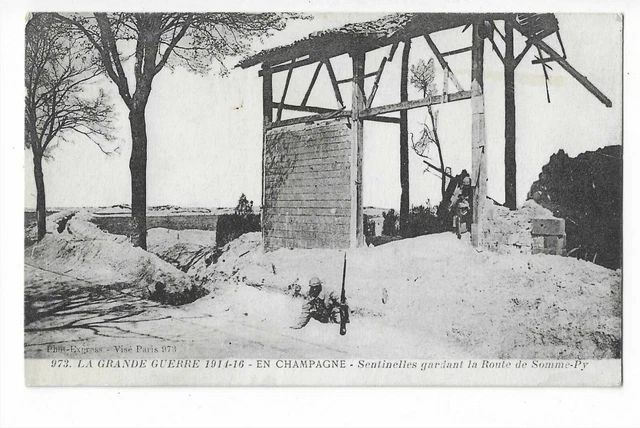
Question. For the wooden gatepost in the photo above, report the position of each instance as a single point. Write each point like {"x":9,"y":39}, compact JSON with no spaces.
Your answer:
{"x":479,"y":178}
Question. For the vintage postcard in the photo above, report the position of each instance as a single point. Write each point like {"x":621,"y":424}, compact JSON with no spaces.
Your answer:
{"x":358,"y":199}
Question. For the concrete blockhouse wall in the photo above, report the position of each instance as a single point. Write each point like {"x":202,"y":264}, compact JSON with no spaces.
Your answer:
{"x":307,"y":193}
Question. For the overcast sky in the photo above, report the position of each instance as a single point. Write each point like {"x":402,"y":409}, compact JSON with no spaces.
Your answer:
{"x":205,"y":132}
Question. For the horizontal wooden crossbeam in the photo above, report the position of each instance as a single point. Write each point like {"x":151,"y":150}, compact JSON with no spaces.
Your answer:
{"x":372,"y":114}
{"x":310,"y":109}
{"x":288,"y":66}
{"x":384,"y":119}
{"x":310,"y":119}
{"x":545,"y":60}
{"x":408,"y":105}
{"x":350,"y":79}
{"x":456,"y":51}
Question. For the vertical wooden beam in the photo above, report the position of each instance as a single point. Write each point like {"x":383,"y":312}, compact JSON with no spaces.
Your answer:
{"x":478,"y":134}
{"x":267,"y":119}
{"x":509,"y":119}
{"x":404,"y":140}
{"x":357,"y":123}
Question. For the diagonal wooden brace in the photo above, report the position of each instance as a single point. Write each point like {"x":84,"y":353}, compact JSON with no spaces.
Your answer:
{"x":443,"y":62}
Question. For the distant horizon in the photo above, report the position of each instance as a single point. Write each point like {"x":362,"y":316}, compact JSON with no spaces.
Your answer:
{"x":28,"y":208}
{"x":172,"y":205}
{"x":255,"y":209}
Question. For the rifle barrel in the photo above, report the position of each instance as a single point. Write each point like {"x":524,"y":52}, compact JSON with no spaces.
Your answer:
{"x":344,"y":277}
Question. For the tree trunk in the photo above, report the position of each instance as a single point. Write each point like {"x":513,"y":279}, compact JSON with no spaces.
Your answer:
{"x":138,"y":168}
{"x":510,"y":177}
{"x":443,"y":183}
{"x":41,"y":206}
{"x":404,"y":142}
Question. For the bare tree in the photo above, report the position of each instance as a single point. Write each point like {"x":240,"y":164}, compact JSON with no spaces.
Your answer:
{"x":156,"y":40}
{"x":58,"y":102}
{"x":422,"y":77}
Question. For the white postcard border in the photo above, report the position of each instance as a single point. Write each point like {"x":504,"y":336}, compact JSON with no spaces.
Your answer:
{"x":320,"y":372}
{"x":22,"y":406}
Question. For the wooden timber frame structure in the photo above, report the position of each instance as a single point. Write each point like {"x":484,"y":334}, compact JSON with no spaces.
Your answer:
{"x":359,"y":38}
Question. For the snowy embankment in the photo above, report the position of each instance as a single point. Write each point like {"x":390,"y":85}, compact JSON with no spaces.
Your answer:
{"x":181,"y":248}
{"x":76,"y":247}
{"x":440,"y":290}
{"x":433,"y":295}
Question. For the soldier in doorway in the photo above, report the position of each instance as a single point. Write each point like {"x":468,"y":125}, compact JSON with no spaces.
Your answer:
{"x":461,"y":206}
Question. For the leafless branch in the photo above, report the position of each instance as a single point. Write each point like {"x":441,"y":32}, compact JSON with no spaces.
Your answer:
{"x":57,"y":72}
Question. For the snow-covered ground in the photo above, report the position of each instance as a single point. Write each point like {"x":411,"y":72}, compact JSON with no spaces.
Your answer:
{"x":75,"y":246}
{"x":428,"y":297}
{"x":181,"y":248}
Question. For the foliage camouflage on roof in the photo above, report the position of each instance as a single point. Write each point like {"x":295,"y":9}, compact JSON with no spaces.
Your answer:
{"x":361,"y":36}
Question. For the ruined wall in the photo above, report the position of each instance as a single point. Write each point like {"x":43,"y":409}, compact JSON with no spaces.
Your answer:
{"x":548,"y":236}
{"x":307,"y":194}
{"x":528,"y":230}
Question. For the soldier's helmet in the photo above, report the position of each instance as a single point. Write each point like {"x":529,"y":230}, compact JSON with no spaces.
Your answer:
{"x":315,"y":287}
{"x":315,"y":282}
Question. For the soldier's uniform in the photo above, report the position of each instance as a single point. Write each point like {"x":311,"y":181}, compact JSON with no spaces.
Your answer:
{"x":320,"y":305}
{"x":461,"y":204}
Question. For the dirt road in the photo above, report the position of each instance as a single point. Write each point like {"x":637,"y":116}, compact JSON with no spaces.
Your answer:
{"x":67,"y":316}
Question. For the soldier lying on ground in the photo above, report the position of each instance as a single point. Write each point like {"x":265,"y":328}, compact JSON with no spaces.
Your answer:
{"x":320,"y":305}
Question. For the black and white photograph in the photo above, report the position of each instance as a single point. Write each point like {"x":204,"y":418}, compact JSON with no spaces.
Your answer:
{"x":318,"y":213}
{"x":304,"y":198}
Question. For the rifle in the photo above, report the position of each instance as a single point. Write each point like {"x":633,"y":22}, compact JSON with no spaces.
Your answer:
{"x":344,"y":309}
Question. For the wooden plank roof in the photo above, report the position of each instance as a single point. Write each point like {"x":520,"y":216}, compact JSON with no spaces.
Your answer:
{"x":364,"y":36}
